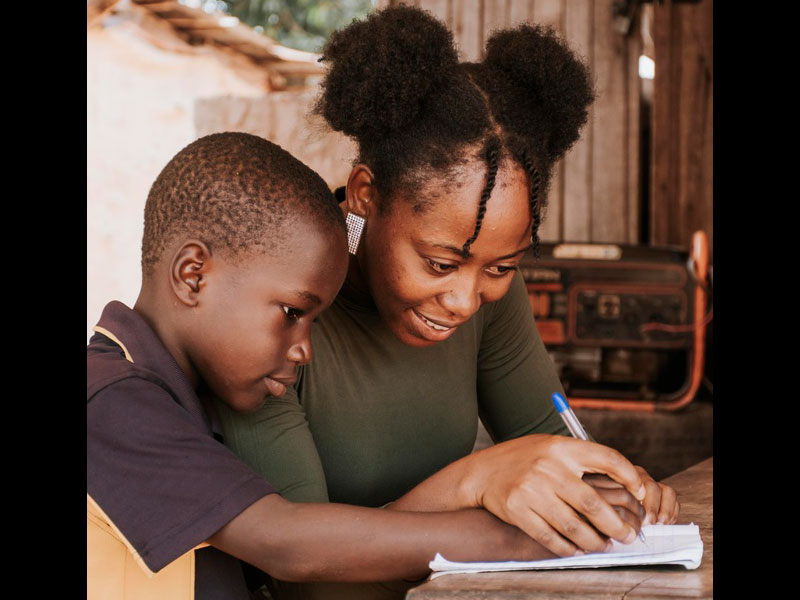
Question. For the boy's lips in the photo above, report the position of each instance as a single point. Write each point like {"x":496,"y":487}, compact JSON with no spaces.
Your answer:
{"x":276,"y":386}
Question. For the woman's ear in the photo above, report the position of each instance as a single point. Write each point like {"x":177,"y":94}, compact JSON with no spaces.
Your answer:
{"x":361,"y":195}
{"x":189,"y":270}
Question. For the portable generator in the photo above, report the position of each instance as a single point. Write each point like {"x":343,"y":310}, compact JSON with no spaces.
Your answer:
{"x":625,"y":325}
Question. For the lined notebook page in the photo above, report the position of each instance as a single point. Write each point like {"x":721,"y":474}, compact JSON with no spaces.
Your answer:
{"x":663,"y":545}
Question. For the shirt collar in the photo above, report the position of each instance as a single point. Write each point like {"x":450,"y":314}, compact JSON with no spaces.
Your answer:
{"x":144,"y":348}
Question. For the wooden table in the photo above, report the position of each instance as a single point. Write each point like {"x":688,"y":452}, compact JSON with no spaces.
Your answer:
{"x":695,"y":494}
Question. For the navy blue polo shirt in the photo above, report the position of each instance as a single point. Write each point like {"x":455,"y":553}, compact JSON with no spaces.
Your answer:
{"x":154,"y":466}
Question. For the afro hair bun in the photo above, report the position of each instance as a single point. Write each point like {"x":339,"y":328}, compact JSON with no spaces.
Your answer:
{"x":382,"y":68}
{"x":542,"y":90}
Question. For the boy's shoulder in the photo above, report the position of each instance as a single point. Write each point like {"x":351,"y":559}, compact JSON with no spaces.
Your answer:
{"x":125,"y":355}
{"x":151,"y":452}
{"x":107,"y":365}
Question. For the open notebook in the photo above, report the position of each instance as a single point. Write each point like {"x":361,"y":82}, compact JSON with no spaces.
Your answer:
{"x":663,"y":545}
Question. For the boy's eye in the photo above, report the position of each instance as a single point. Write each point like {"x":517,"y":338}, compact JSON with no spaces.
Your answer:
{"x":499,"y":270}
{"x":440,"y":267}
{"x":292,"y":313}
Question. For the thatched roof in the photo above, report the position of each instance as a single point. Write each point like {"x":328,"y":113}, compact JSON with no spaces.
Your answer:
{"x":196,"y":26}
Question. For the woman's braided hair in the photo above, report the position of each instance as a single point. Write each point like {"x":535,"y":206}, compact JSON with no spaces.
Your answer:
{"x":395,"y":85}
{"x":491,"y":159}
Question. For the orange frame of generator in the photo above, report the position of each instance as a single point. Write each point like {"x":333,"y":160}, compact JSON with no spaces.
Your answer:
{"x":699,"y":260}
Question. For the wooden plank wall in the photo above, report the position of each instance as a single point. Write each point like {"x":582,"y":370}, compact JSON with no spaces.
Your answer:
{"x":682,"y":174}
{"x":595,"y":193}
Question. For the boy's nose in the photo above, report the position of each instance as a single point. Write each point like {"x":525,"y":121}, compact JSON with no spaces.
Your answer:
{"x":300,"y":353}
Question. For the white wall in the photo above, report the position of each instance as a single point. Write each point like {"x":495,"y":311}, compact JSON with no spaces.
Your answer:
{"x":142,"y":83}
{"x":148,"y":95}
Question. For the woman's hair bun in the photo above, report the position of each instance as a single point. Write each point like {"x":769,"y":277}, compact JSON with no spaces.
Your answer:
{"x":542,"y":89}
{"x":382,"y":68}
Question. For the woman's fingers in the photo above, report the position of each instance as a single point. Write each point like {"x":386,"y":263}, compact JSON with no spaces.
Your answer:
{"x":652,"y":498}
{"x":568,"y":494}
{"x":660,"y":502}
{"x":541,"y":531}
{"x":578,"y":531}
{"x":596,"y":509}
{"x":590,"y":457}
{"x":556,"y":522}
{"x":632,"y":519}
{"x":622,"y":498}
{"x":670,"y":508}
{"x":562,"y":530}
{"x":599,"y":481}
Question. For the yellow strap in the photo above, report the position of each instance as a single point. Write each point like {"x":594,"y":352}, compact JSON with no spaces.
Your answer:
{"x":111,"y":336}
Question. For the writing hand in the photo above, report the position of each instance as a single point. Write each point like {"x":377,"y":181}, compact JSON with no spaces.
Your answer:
{"x":535,"y":483}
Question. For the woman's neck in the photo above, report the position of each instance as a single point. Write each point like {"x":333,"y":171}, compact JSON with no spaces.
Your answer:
{"x":355,"y":277}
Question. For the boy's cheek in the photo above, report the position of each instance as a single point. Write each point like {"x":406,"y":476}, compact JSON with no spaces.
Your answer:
{"x":245,"y":401}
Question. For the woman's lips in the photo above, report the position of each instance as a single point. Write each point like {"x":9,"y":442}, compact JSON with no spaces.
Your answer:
{"x":431,"y":330}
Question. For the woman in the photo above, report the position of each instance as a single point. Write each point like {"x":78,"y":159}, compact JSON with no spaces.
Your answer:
{"x":433,"y":328}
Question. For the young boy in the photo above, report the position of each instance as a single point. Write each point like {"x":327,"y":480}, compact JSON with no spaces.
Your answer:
{"x":243,"y":248}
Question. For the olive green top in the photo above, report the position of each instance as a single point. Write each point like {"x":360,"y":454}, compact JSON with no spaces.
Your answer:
{"x":374,"y":417}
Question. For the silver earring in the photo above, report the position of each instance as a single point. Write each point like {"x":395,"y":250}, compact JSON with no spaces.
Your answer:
{"x":355,"y":225}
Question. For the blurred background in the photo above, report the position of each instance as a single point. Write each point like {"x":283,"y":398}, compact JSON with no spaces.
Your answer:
{"x":161,"y":73}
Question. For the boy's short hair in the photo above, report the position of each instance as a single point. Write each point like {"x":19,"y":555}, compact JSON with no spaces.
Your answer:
{"x":234,"y":192}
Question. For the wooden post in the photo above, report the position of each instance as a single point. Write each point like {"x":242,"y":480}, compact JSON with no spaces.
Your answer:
{"x":579,"y":29}
{"x":682,"y":126}
{"x":551,"y":12}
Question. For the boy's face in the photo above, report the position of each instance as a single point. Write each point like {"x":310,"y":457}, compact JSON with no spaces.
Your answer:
{"x":253,"y":319}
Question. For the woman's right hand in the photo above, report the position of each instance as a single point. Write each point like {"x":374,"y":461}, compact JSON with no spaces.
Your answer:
{"x":536,"y":483}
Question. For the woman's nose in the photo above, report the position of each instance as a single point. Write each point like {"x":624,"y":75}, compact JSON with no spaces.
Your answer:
{"x":463,"y":299}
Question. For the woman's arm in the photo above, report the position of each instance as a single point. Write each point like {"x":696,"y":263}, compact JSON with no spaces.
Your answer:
{"x":516,"y":376}
{"x":304,"y":540}
{"x":276,"y":443}
{"x":536,"y":481}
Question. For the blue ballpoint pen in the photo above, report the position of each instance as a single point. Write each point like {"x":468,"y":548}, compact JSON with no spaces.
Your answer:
{"x":574,"y":426}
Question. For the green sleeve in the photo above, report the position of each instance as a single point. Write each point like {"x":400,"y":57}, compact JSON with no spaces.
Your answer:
{"x":516,"y":376}
{"x":276,"y":442}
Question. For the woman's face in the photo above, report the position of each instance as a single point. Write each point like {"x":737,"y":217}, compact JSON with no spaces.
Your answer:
{"x":422,"y":286}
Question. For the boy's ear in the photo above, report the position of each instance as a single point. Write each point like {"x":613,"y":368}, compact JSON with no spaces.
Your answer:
{"x":361,"y":195}
{"x":188,"y":271}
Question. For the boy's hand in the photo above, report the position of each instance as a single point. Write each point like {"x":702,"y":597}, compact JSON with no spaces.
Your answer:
{"x":660,"y":504}
{"x":621,"y":500}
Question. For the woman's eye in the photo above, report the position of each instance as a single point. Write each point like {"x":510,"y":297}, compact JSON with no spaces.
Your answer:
{"x":440,"y":267}
{"x":292,"y":313}
{"x":499,"y":270}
